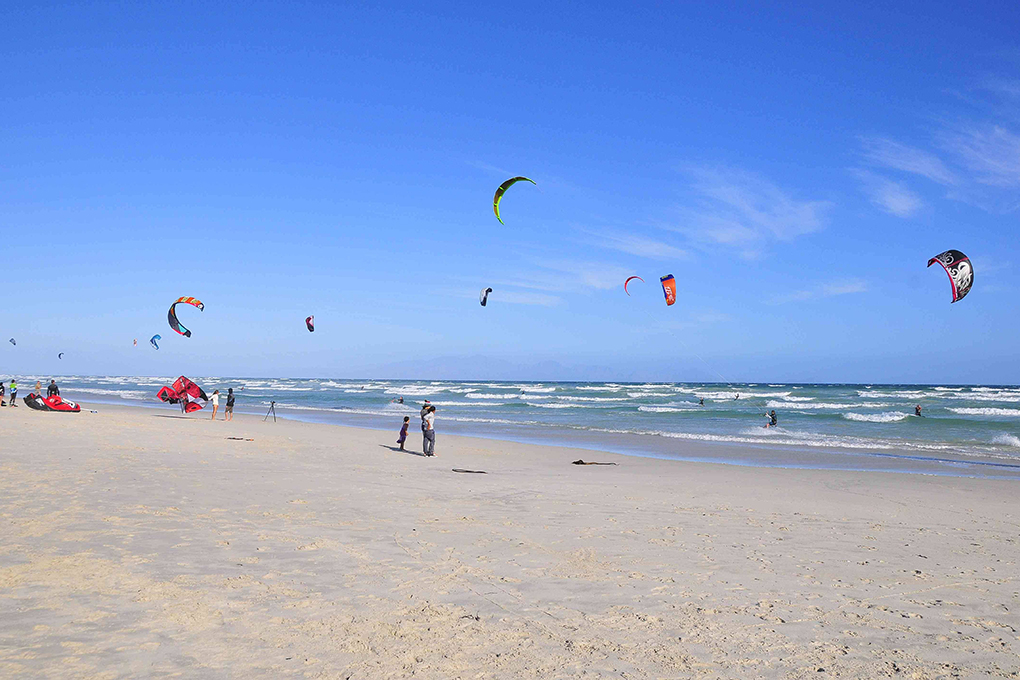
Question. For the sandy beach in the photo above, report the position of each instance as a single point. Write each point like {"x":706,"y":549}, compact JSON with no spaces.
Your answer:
{"x":142,"y":543}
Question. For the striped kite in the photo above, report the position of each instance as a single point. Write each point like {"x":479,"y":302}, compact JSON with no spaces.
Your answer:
{"x":171,"y":316}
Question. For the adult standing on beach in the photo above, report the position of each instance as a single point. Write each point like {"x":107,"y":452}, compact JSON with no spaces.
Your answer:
{"x":2,"y":402}
{"x":424,"y":412}
{"x":52,"y":390}
{"x":228,"y":412}
{"x":429,"y":433}
{"x":14,"y":392}
{"x":215,"y":403}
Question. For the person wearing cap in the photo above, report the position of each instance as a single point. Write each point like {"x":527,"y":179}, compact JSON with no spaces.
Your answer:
{"x":429,"y":432}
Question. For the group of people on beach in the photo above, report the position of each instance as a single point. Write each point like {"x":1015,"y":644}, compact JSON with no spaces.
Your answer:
{"x":428,"y":429}
{"x":51,"y":390}
{"x":228,"y":410}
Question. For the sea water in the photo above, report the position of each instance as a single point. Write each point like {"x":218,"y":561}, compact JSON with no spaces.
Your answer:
{"x":965,"y":430}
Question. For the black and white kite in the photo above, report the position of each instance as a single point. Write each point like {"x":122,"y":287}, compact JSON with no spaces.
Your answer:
{"x":960,"y":270}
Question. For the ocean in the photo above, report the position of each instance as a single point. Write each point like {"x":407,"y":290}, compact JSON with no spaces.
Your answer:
{"x":965,"y":430}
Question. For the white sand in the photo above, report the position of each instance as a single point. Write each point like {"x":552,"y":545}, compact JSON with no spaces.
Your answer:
{"x":135,"y":545}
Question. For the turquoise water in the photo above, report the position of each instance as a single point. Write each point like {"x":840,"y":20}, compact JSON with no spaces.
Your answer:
{"x":973,"y":430}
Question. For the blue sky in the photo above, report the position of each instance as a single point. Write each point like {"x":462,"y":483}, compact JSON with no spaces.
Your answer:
{"x":794,"y":169}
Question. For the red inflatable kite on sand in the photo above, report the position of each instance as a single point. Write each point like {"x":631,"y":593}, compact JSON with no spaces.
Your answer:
{"x":186,"y":393}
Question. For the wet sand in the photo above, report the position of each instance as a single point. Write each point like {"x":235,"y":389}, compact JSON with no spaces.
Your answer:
{"x":141,"y":543}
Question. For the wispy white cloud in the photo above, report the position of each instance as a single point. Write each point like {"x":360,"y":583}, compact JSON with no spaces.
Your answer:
{"x":991,"y":152}
{"x":564,"y":276}
{"x":641,"y":246}
{"x":491,"y":169}
{"x":897,"y":156}
{"x":892,"y":197}
{"x":845,"y":287}
{"x":744,"y":211}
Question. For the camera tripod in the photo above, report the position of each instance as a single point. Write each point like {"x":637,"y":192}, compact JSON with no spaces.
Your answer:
{"x":272,"y":409}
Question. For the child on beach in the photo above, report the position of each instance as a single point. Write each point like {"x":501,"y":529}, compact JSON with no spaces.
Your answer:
{"x":403,"y":432}
{"x":14,"y":392}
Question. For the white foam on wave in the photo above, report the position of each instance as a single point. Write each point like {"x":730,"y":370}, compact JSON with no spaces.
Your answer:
{"x":1007,"y":440}
{"x":490,"y":395}
{"x":748,"y":394}
{"x":797,"y":405}
{"x":544,"y":405}
{"x":886,"y":417}
{"x":594,"y":388}
{"x":123,"y":394}
{"x":567,"y":397}
{"x":781,"y":436}
{"x":413,"y":390}
{"x":667,"y":409}
{"x":1007,"y":412}
{"x":643,"y":395}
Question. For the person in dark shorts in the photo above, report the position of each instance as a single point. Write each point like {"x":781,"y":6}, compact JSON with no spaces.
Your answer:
{"x":228,"y":411}
{"x":52,"y":390}
{"x":14,"y":392}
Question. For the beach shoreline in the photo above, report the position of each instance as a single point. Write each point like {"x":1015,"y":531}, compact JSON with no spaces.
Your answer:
{"x":138,"y":542}
{"x":762,"y":454}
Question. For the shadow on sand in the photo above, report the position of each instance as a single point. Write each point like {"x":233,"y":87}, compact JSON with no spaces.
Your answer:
{"x":407,"y":451}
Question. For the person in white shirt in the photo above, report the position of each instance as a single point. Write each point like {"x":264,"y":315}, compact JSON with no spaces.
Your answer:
{"x":429,"y":433}
{"x":215,"y":398}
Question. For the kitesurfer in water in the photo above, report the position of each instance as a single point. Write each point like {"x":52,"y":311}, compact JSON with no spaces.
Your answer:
{"x":52,"y":390}
{"x":917,"y":410}
{"x":701,"y":401}
{"x":773,"y":421}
